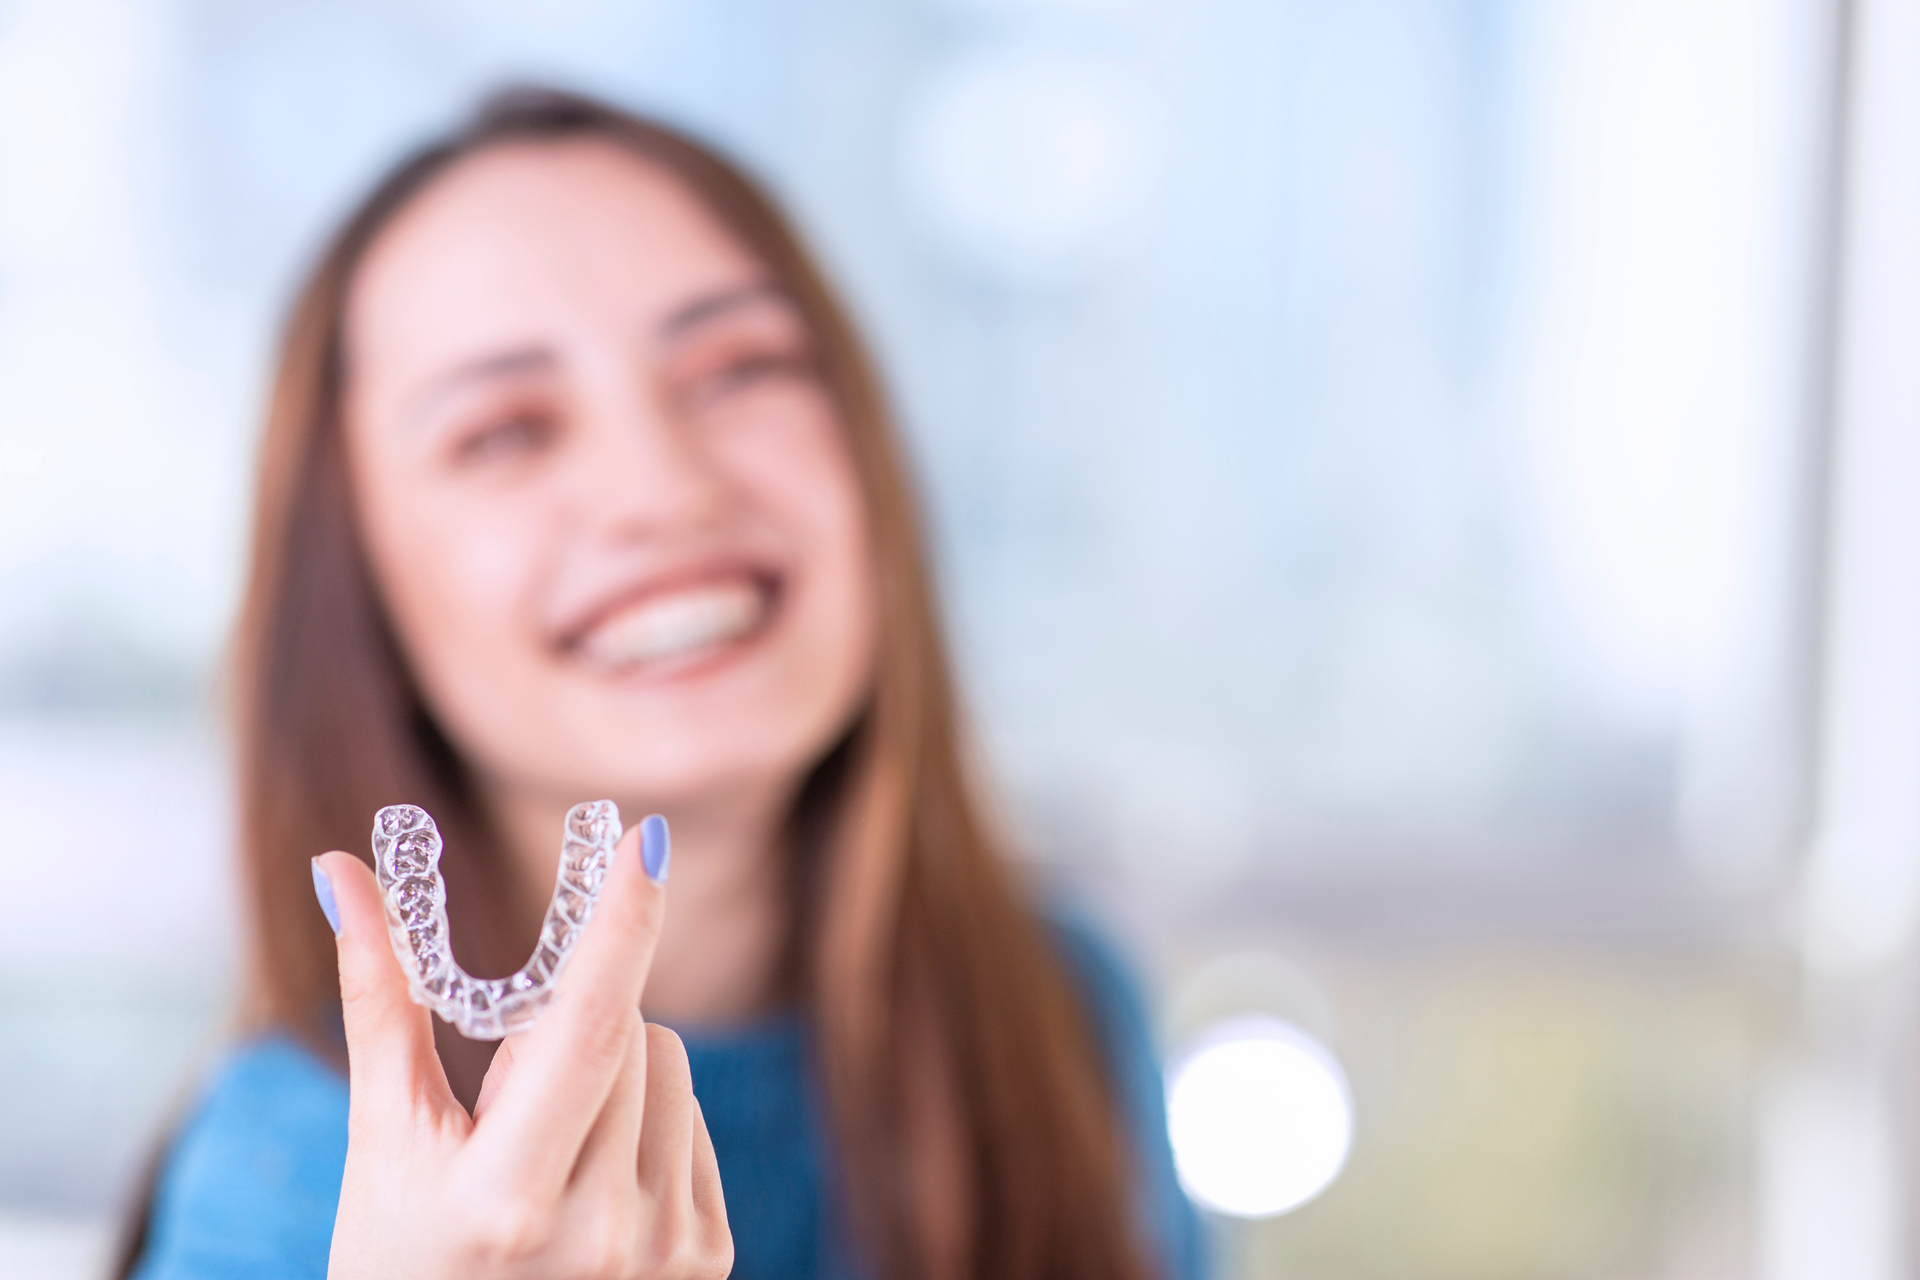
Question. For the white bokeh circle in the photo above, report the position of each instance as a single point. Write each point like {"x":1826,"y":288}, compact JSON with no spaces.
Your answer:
{"x":1260,"y":1117}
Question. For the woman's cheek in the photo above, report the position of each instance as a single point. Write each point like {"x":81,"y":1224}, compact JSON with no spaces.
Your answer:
{"x":469,"y":570}
{"x":799,"y":464}
{"x":493,"y":564}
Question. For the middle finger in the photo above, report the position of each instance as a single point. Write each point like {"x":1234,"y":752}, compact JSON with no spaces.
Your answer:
{"x":613,"y":1143}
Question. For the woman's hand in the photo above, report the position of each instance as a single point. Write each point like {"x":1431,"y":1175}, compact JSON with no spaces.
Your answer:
{"x":586,"y":1156}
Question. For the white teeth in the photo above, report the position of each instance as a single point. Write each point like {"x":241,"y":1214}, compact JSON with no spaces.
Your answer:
{"x":675,"y":625}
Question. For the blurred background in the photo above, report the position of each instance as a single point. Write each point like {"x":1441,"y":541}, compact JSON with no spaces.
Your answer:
{"x":1428,"y":493}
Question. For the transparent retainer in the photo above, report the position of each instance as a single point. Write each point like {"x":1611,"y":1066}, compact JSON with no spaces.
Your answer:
{"x":406,"y":857}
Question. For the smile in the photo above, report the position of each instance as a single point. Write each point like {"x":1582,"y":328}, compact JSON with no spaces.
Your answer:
{"x":679,"y":626}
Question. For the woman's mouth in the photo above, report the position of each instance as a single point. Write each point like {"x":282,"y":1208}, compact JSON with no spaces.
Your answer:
{"x":677,"y":626}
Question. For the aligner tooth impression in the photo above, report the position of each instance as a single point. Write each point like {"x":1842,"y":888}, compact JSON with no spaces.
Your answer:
{"x":406,"y":858}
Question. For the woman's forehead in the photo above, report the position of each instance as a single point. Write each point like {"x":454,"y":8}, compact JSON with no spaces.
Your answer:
{"x":534,"y":239}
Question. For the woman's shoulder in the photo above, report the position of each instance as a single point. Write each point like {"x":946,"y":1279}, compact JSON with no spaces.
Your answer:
{"x":1117,"y":1005}
{"x":1106,"y":980}
{"x":251,"y":1182}
{"x":1118,"y":1008}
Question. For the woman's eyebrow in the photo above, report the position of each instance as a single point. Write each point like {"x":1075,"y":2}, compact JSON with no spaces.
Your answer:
{"x":713,"y":305}
{"x":499,"y":364}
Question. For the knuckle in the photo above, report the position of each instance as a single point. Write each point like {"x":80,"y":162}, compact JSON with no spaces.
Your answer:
{"x":717,"y":1257}
{"x":690,"y":1246}
{"x":605,"y":1040}
{"x":606,"y":1245}
{"x":667,"y":1052}
{"x":699,"y":1260}
{"x":665,"y":1040}
{"x":506,"y":1230}
{"x":358,"y":983}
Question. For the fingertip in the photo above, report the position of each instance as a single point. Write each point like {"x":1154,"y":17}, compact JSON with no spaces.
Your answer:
{"x":350,"y":889}
{"x":334,"y":860}
{"x":616,"y":947}
{"x":629,"y":845}
{"x":632,"y":882}
{"x":389,"y":1036}
{"x":323,"y":890}
{"x":667,"y":1052}
{"x":367,"y":963}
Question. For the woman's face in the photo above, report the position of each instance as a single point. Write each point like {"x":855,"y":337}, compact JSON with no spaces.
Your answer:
{"x":610,"y":508}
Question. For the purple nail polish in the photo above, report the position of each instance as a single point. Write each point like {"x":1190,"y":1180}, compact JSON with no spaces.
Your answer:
{"x":656,"y":847}
{"x":323,"y":890}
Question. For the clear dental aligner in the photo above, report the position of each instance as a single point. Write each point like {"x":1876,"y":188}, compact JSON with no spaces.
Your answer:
{"x":406,"y":856}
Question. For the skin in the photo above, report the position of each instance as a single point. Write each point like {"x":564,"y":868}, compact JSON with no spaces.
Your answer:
{"x":573,"y":400}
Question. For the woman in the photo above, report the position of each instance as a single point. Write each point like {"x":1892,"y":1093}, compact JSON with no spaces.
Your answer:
{"x":578,"y":483}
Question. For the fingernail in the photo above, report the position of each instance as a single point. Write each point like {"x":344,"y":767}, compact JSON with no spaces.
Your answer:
{"x":323,"y":890}
{"x":656,"y":847}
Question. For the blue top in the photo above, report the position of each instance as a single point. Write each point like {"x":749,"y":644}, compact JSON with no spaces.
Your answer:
{"x":252,"y":1183}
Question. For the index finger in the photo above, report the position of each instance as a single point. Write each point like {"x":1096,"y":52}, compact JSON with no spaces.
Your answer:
{"x":391,"y":1063}
{"x":566,"y":1066}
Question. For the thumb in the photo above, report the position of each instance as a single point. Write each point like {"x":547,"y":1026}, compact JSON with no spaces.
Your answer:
{"x":391,"y":1063}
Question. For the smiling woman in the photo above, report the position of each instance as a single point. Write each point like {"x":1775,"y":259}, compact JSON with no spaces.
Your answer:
{"x":583,"y":424}
{"x":578,"y":483}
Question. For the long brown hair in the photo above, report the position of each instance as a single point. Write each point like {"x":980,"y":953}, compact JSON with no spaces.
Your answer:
{"x":972,"y":1114}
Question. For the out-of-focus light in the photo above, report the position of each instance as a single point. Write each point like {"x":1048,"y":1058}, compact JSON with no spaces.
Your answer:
{"x":1656,"y":446}
{"x":1260,"y":1117}
{"x":1862,"y":888}
{"x":1027,"y":161}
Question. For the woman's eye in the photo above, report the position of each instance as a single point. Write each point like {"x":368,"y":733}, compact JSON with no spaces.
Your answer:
{"x":511,"y":437}
{"x":745,"y":374}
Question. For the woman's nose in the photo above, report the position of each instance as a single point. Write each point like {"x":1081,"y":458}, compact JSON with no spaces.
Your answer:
{"x":638,"y":470}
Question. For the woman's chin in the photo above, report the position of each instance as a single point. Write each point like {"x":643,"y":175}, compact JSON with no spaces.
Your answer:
{"x":689,"y":754}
